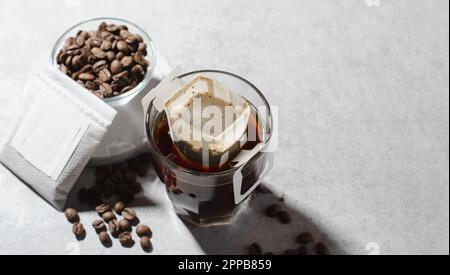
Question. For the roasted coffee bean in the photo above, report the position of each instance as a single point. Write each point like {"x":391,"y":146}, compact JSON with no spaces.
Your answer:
{"x":284,"y":217}
{"x":114,"y":227}
{"x":98,"y":225}
{"x":71,"y":215}
{"x":119,"y":207}
{"x":273,"y":210}
{"x":105,"y":239}
{"x":140,"y":59}
{"x":107,"y":88}
{"x":255,"y":249}
{"x":126,"y":62}
{"x":99,"y":65}
{"x":129,"y":214}
{"x":126,"y":239}
{"x":119,"y":56}
{"x":142,"y":47}
{"x":102,"y":208}
{"x":124,"y":225}
{"x":135,"y":187}
{"x":322,"y":249}
{"x":104,"y":75}
{"x":86,"y":76}
{"x":78,"y":230}
{"x":106,"y":45}
{"x":305,"y":238}
{"x":116,"y":67}
{"x":128,"y":37}
{"x":137,"y":71}
{"x":110,"y":55}
{"x":142,"y":170}
{"x":143,"y":230}
{"x":108,"y":216}
{"x":97,"y":52}
{"x":290,"y":252}
{"x":122,"y":46}
{"x":83,"y":195}
{"x":269,"y":253}
{"x":303,"y":250}
{"x":146,"y":244}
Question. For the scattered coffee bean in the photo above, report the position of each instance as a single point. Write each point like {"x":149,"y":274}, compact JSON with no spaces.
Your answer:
{"x":269,"y":253}
{"x":303,"y":250}
{"x":99,"y":226}
{"x":126,"y":239}
{"x":102,"y":208}
{"x":129,"y":214}
{"x":284,"y":217}
{"x":305,"y":238}
{"x":124,"y":225}
{"x":78,"y":230}
{"x":114,"y":227}
{"x":322,"y":249}
{"x":119,"y":207}
{"x":105,"y":239}
{"x":108,"y":216}
{"x":290,"y":252}
{"x":71,"y":215}
{"x":143,"y":230}
{"x":255,"y":249}
{"x":146,"y":244}
{"x":273,"y":210}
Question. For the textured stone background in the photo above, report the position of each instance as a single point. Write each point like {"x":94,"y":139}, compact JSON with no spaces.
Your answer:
{"x":362,"y":89}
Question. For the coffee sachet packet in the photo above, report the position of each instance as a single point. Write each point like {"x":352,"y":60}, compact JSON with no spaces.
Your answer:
{"x":57,"y":130}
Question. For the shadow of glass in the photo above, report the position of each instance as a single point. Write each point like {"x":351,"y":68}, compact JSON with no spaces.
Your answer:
{"x":251,"y":225}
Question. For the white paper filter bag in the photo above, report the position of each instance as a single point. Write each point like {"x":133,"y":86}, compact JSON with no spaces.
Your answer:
{"x":56,"y":133}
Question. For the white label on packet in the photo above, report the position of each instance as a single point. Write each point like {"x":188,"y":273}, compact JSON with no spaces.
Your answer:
{"x":49,"y":133}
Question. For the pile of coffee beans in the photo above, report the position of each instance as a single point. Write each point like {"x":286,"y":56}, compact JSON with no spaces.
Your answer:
{"x":118,"y":181}
{"x":109,"y":61}
{"x":108,"y":225}
{"x":305,"y":239}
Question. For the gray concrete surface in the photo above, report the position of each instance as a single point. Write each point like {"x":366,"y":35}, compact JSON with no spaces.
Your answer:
{"x":362,"y":92}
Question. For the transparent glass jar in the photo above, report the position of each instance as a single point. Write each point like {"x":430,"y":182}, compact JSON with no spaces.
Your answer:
{"x":210,"y":198}
{"x":126,"y":137}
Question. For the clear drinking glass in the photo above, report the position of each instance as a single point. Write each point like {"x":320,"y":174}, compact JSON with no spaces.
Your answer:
{"x":208,"y":198}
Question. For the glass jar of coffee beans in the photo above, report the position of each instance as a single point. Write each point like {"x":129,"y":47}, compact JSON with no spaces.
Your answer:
{"x":109,"y":57}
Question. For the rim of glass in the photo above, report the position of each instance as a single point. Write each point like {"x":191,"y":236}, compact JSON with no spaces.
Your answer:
{"x":198,"y":173}
{"x":150,"y":44}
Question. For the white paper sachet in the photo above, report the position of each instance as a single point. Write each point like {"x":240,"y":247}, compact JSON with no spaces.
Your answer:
{"x":57,"y":131}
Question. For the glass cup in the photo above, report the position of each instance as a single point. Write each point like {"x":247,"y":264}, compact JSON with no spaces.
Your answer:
{"x":210,"y":198}
{"x":125,"y":138}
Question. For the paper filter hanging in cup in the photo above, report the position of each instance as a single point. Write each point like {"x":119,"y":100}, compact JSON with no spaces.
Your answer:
{"x":207,"y":121}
